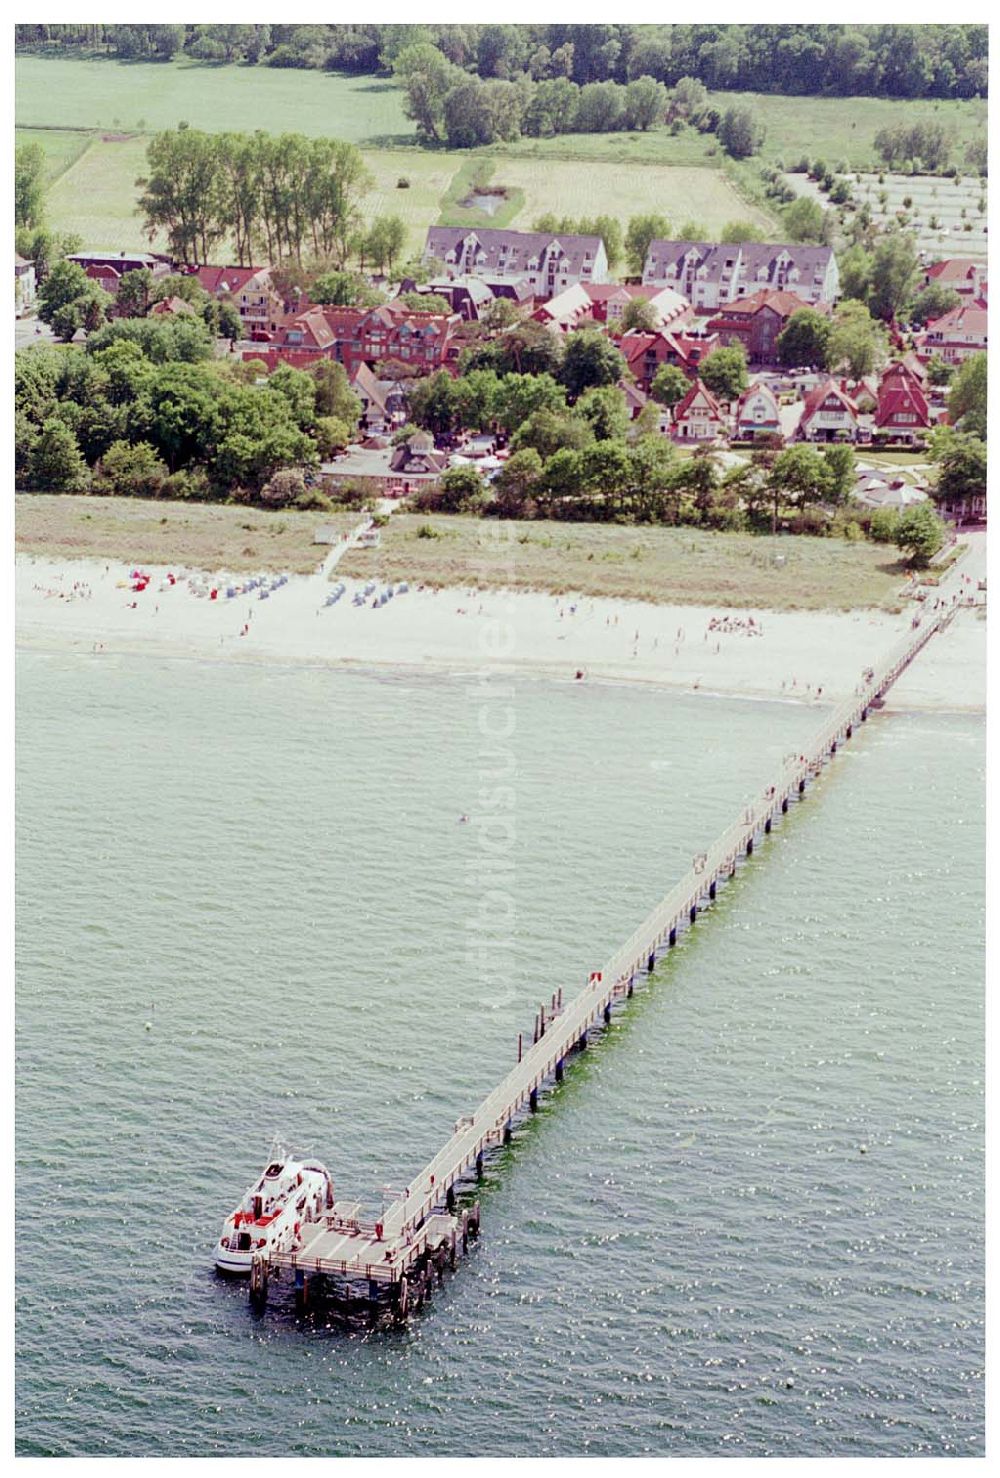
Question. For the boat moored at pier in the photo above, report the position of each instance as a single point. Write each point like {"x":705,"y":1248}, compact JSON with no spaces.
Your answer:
{"x":289,"y":1195}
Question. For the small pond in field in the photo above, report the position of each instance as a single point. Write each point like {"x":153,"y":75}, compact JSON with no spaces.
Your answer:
{"x":488,"y":201}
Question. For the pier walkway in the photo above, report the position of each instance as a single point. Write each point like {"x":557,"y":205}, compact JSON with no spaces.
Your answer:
{"x":395,"y":1261}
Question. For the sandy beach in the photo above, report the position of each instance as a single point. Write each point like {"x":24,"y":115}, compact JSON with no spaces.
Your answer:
{"x":812,"y":657}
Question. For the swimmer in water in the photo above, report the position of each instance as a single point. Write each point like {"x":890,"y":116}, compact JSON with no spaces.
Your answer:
{"x":462,"y":818}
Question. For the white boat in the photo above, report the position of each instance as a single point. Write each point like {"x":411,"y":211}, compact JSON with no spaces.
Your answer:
{"x":289,"y":1195}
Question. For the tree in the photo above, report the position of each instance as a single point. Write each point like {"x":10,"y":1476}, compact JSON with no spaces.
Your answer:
{"x":934,"y":302}
{"x":640,"y":317}
{"x":551,"y":431}
{"x":425,"y":302}
{"x":29,"y":170}
{"x":606,"y":471}
{"x":55,"y":464}
{"x":334,"y":396}
{"x":344,"y":289}
{"x":603,"y":408}
{"x":741,"y":131}
{"x":384,"y":242}
{"x":589,"y":359}
{"x":919,"y":533}
{"x":518,"y":397}
{"x":479,"y":398}
{"x":800,"y":475}
{"x":133,"y":469}
{"x":805,"y":339}
{"x":460,"y":490}
{"x":962,"y":467}
{"x":298,"y":391}
{"x":732,"y":231}
{"x":670,"y":385}
{"x":518,"y":483}
{"x":181,"y":193}
{"x":26,"y":434}
{"x":134,"y":290}
{"x":468,"y":120}
{"x":724,"y":372}
{"x":857,"y":341}
{"x":283,"y":488}
{"x":645,"y":102}
{"x":563,"y":474}
{"x":600,"y":108}
{"x":642,"y":230}
{"x":65,"y":283}
{"x":967,"y":397}
{"x":331,"y":434}
{"x":67,"y":320}
{"x":894,"y":272}
{"x":855,"y":267}
{"x":840,"y":467}
{"x":435,"y":404}
{"x":939,"y":372}
{"x":689,"y":98}
{"x":804,"y":220}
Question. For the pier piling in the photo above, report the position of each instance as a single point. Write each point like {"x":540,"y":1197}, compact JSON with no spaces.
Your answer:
{"x":393,"y":1262}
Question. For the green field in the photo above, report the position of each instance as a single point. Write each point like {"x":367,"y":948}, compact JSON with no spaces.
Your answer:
{"x":624,"y":190}
{"x":93,"y":192}
{"x":661,"y":565}
{"x":70,"y":92}
{"x":91,"y":117}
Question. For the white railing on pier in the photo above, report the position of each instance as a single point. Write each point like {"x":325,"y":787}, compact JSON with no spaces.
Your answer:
{"x":568,"y":1026}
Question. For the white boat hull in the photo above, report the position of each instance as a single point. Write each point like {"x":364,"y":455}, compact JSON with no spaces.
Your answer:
{"x":289,"y":1196}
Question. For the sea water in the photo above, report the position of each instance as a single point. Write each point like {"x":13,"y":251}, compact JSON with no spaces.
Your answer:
{"x":749,"y":1222}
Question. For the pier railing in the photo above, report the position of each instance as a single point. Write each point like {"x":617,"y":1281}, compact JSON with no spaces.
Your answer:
{"x":566,"y":1027}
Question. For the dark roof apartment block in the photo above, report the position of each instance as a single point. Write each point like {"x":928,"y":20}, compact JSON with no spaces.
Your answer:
{"x":548,"y":262}
{"x":710,"y":275}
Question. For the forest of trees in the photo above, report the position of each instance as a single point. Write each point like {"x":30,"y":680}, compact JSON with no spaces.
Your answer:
{"x":902,"y":61}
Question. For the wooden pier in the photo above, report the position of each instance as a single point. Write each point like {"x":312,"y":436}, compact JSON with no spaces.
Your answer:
{"x":394,"y":1263}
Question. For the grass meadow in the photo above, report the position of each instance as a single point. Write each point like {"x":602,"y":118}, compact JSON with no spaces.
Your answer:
{"x":660,"y":565}
{"x":208,"y":536}
{"x":677,"y":192}
{"x":102,"y":93}
{"x":91,"y":116}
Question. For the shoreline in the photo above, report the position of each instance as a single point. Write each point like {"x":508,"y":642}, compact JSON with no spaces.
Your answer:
{"x":810,"y":658}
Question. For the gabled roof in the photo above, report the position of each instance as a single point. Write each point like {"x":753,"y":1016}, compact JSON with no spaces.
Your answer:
{"x":955,"y":270}
{"x":821,"y":393}
{"x":755,"y":261}
{"x":698,"y":393}
{"x":514,"y":250}
{"x":965,"y":319}
{"x":367,"y":383}
{"x":900,"y":395}
{"x":173,"y":304}
{"x":314,"y":328}
{"x":780,"y":301}
{"x":753,"y":392}
{"x":216,"y":280}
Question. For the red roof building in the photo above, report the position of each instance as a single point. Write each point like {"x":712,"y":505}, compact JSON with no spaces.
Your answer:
{"x":645,"y":353}
{"x":902,"y":413}
{"x":961,"y":274}
{"x":758,"y":413}
{"x":422,"y":342}
{"x":698,"y":417}
{"x":251,"y":291}
{"x":756,"y":322}
{"x":829,"y":414}
{"x":957,"y":334}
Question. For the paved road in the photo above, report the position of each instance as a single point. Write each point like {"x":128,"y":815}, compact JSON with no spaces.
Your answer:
{"x":25,"y":332}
